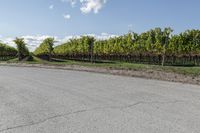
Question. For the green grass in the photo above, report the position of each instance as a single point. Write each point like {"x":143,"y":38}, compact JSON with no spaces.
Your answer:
{"x":192,"y":71}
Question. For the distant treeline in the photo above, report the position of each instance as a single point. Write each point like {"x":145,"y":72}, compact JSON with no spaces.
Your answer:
{"x":156,"y":46}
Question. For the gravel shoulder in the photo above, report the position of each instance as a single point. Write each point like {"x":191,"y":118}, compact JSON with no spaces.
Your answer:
{"x":148,"y":74}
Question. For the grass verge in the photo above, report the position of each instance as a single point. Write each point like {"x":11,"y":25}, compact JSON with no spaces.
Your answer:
{"x":191,"y":71}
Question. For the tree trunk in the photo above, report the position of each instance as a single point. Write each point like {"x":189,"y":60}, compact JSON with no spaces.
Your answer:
{"x":163,"y":59}
{"x":19,"y":56}
{"x":50,"y":56}
{"x":163,"y":55}
{"x":91,"y":52}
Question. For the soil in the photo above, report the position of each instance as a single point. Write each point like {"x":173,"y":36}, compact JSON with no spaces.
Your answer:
{"x":148,"y":74}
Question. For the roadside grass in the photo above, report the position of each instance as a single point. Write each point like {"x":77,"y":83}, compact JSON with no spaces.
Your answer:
{"x":186,"y":70}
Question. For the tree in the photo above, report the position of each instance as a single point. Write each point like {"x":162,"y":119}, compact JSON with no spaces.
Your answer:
{"x":50,"y":44}
{"x":46,"y":48}
{"x":21,"y":48}
{"x":90,"y":42}
{"x":7,"y":52}
{"x":166,"y":36}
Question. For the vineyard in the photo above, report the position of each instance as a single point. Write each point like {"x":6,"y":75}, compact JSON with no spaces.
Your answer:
{"x":7,"y":52}
{"x":156,"y":46}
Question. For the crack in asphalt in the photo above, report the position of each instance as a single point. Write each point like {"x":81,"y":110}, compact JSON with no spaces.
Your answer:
{"x":42,"y":121}
{"x":85,"y":110}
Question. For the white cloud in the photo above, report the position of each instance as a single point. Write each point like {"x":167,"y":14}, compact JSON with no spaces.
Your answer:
{"x":51,"y":7}
{"x":9,"y":41}
{"x":105,"y":36}
{"x":130,"y":26}
{"x":34,"y":41}
{"x":72,"y":2}
{"x":67,"y":16}
{"x":1,"y":38}
{"x":67,"y":38}
{"x":102,"y":36}
{"x":88,"y":6}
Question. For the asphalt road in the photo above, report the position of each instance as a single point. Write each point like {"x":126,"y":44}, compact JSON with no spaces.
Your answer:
{"x":34,"y":100}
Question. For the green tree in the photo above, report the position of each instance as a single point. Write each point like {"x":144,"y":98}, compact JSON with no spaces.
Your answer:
{"x":166,"y":36}
{"x":46,"y":48}
{"x":7,"y":52}
{"x":50,"y":46}
{"x":21,"y":48}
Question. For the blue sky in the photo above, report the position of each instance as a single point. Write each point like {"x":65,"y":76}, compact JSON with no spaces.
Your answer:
{"x":63,"y":18}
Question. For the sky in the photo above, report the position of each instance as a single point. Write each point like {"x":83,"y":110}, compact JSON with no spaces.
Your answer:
{"x":35,"y":20}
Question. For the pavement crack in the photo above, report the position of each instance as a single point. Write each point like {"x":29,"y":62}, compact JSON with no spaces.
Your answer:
{"x":142,"y":102}
{"x":167,"y":102}
{"x":85,"y":110}
{"x":41,"y":121}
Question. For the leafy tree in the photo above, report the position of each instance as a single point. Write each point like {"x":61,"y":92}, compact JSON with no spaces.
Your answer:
{"x":166,"y":36}
{"x":50,"y":43}
{"x":21,"y":48}
{"x":46,"y":48}
{"x":7,"y":52}
{"x":90,"y":41}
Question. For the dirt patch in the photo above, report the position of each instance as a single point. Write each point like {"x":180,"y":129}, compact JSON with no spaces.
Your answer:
{"x":149,"y":74}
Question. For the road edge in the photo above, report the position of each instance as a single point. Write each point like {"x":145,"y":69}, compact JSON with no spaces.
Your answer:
{"x":147,"y":74}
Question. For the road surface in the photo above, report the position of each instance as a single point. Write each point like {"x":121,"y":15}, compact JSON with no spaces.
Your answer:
{"x":34,"y":100}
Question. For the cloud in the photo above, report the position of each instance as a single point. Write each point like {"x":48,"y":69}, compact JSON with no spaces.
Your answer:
{"x":130,"y":26}
{"x":88,"y":6}
{"x":67,"y":16}
{"x":34,"y":41}
{"x":51,"y":7}
{"x":105,"y":36}
{"x":72,"y":2}
{"x":1,"y":36}
{"x":102,"y":36}
{"x":8,"y":41}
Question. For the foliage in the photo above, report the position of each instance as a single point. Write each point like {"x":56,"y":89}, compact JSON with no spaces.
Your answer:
{"x":45,"y":48}
{"x":76,"y":46}
{"x":155,"y":45}
{"x":7,"y":52}
{"x":21,"y":48}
